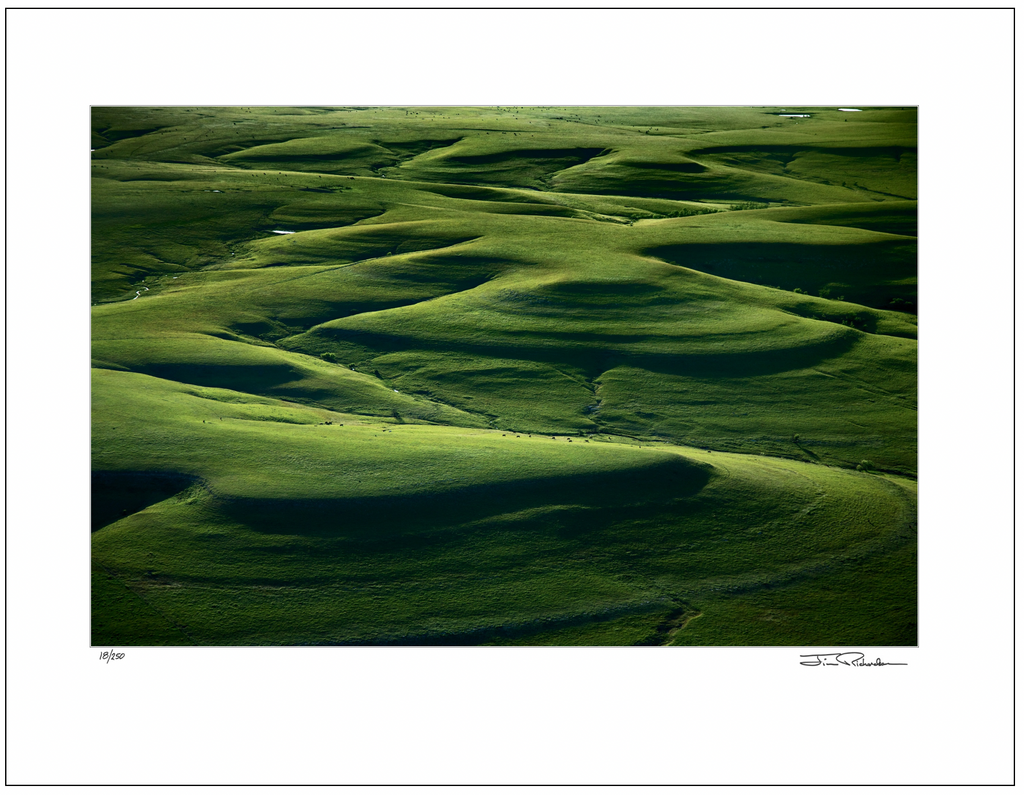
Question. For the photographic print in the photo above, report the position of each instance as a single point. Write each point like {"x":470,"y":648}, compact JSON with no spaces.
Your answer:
{"x":504,"y":375}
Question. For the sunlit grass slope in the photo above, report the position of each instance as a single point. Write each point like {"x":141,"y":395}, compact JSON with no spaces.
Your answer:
{"x":296,"y":525}
{"x":504,"y":375}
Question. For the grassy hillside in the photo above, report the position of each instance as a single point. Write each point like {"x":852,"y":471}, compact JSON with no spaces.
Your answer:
{"x":504,"y":375}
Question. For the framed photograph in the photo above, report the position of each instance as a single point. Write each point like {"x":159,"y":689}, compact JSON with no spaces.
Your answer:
{"x":402,"y":355}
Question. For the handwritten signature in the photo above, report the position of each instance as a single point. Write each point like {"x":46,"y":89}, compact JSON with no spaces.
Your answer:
{"x":854,"y":658}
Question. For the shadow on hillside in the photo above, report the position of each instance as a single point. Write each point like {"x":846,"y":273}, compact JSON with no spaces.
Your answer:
{"x":592,"y":354}
{"x":116,"y":495}
{"x":568,"y":507}
{"x":872,"y":274}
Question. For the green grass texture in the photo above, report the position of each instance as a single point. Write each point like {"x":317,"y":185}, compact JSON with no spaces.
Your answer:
{"x":504,"y":376}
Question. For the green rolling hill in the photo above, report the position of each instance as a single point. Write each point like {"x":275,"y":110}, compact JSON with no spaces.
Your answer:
{"x":454,"y":376}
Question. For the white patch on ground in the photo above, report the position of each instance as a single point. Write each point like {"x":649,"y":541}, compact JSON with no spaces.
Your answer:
{"x":795,"y":115}
{"x":850,"y":110}
{"x":281,"y":232}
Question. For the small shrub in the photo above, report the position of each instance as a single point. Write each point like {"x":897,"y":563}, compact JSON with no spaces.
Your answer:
{"x":690,"y":211}
{"x":329,"y":357}
{"x":901,"y":305}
